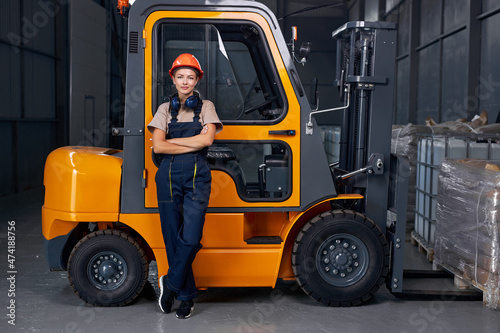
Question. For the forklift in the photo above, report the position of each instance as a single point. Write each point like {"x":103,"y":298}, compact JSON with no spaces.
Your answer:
{"x":278,"y":209}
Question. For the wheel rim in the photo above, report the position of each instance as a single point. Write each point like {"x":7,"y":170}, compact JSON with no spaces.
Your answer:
{"x":342,"y":260}
{"x":107,"y":270}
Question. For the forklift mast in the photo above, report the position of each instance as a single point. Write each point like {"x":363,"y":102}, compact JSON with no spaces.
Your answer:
{"x":366,"y":54}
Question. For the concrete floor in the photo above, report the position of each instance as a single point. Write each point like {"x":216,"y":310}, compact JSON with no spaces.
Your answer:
{"x":45,"y":302}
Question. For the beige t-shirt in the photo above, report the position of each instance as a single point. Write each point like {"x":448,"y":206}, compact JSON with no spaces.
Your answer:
{"x":207,"y":116}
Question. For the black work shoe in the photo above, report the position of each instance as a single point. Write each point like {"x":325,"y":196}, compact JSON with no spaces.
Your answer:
{"x":185,"y":310}
{"x":166,"y":299}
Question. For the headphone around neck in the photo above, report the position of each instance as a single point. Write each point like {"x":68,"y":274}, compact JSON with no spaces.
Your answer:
{"x":192,"y":102}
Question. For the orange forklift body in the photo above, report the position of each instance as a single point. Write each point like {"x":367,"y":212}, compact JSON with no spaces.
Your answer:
{"x":271,"y":182}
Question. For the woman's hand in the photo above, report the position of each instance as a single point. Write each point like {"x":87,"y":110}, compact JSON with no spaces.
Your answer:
{"x":200,"y":141}
{"x":163,"y":146}
{"x":183,"y":145}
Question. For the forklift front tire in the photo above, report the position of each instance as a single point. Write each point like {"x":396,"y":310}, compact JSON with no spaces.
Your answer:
{"x":108,"y":268}
{"x":340,"y":258}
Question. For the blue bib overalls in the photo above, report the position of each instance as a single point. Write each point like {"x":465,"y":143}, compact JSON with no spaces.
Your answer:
{"x":183,"y":189}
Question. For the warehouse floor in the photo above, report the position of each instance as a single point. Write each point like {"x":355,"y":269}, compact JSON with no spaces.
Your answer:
{"x":44,"y":301}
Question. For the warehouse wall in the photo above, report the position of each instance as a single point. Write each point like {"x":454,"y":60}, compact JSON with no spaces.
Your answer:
{"x":447,"y":66}
{"x":315,"y":21}
{"x":32,"y":94}
{"x":35,"y":82}
{"x":488,"y":93}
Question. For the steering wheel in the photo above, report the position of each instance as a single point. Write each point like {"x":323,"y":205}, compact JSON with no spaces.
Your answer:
{"x":261,"y":105}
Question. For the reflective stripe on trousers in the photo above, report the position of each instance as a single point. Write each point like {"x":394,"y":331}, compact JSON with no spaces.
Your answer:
{"x":183,"y":189}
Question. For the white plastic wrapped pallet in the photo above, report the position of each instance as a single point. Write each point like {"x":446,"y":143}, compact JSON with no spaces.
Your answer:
{"x":467,"y":237}
{"x":432,"y":149}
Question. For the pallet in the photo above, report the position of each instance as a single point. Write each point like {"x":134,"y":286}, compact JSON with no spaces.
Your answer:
{"x":464,"y":284}
{"x":423,"y":246}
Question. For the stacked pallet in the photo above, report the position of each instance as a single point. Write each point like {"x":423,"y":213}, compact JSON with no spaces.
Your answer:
{"x":467,"y":235}
{"x":405,"y":141}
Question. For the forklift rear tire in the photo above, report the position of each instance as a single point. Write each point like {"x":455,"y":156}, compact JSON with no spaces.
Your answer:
{"x":108,"y":268}
{"x":340,"y":258}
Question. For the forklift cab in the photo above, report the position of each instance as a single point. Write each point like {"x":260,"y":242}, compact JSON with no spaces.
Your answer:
{"x":256,"y":159}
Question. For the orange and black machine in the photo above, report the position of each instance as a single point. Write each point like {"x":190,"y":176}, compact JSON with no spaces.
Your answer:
{"x":278,"y":209}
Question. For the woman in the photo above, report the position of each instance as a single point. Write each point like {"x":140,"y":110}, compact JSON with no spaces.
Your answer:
{"x":182,"y":131}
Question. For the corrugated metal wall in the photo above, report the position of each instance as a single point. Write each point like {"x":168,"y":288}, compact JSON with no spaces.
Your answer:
{"x":315,"y":21}
{"x":447,"y":65}
{"x":488,"y":95}
{"x":35,"y":89}
{"x":28,"y":90}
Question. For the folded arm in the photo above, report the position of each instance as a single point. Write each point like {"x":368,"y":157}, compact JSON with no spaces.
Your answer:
{"x":183,"y":145}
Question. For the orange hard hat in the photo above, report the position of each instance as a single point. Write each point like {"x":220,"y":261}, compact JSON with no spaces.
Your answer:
{"x":186,"y":60}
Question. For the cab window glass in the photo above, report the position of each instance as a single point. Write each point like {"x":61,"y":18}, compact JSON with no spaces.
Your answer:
{"x":260,"y":170}
{"x":239,"y":77}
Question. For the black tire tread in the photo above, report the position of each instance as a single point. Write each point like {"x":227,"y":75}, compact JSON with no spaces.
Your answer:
{"x":330,"y":216}
{"x":110,"y":233}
